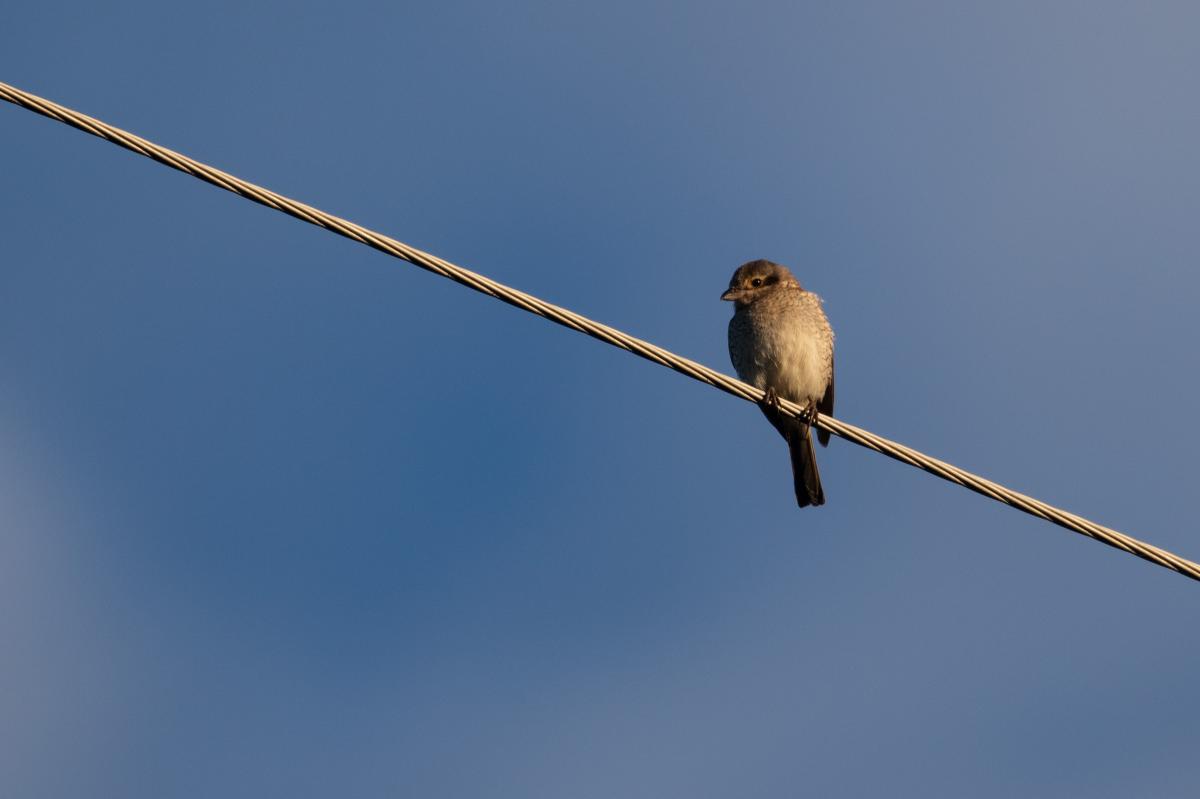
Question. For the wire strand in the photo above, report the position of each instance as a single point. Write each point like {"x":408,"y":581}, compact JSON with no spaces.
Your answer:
{"x":582,"y":324}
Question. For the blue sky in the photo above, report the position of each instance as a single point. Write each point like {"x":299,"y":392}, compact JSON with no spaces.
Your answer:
{"x":279,"y":514}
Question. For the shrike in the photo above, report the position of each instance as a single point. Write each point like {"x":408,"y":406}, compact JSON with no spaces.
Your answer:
{"x":781,"y":342}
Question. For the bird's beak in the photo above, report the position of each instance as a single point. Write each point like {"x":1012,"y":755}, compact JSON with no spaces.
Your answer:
{"x":731,"y":294}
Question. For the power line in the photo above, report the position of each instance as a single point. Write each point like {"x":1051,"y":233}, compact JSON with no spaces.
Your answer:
{"x":594,"y":329}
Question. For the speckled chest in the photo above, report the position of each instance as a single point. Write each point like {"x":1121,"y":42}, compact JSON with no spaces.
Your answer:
{"x":783,"y":341}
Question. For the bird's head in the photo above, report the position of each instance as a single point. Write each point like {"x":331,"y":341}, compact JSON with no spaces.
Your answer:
{"x":753,"y":279}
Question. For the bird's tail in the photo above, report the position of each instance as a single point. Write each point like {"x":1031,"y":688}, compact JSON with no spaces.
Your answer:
{"x":806,"y":478}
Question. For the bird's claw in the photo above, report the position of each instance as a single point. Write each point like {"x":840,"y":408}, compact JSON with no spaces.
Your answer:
{"x":769,"y":405}
{"x":809,"y":414}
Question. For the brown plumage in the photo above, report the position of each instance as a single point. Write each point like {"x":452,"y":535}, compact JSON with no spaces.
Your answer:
{"x":781,"y":342}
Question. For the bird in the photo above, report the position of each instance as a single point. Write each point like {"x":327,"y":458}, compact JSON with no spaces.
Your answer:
{"x":781,"y":342}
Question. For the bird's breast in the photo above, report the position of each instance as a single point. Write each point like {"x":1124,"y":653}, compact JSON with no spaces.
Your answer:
{"x":787,"y":346}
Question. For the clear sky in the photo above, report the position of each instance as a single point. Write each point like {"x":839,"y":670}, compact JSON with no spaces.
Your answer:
{"x":282,"y":516}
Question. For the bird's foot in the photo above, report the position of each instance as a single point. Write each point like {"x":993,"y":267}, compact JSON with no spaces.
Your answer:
{"x":809,"y":414}
{"x":782,"y":422}
{"x":769,"y":405}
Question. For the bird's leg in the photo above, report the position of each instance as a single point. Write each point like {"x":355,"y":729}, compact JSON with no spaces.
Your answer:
{"x":809,"y":414}
{"x":769,"y":405}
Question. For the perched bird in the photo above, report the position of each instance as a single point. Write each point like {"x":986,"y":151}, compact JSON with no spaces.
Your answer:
{"x":781,"y":342}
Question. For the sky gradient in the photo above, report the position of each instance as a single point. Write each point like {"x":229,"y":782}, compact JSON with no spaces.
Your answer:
{"x":281,"y":515}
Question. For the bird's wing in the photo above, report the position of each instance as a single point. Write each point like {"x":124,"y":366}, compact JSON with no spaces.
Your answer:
{"x":738,"y":354}
{"x":825,"y":406}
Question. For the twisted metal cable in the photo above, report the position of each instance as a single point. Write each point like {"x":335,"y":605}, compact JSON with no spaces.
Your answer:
{"x":594,"y":329}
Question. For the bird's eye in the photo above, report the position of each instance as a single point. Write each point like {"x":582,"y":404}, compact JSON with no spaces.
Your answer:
{"x":756,"y":282}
